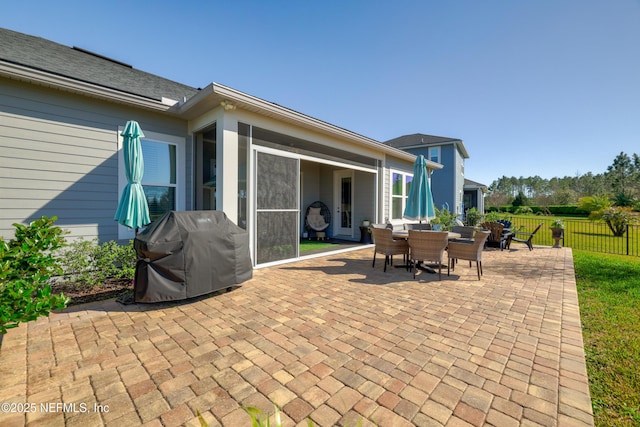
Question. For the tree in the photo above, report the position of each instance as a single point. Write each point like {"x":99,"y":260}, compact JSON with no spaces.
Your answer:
{"x":520,"y":200}
{"x":621,"y":174}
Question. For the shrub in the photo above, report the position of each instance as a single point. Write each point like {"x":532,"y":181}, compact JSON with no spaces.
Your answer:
{"x":444,"y":218}
{"x":594,"y":203}
{"x":27,"y":263}
{"x":524,"y":210}
{"x":89,"y":263}
{"x":492,"y":217}
{"x":473,"y":217}
{"x":616,"y":218}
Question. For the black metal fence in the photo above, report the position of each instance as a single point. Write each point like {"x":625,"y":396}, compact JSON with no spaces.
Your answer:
{"x":582,"y":234}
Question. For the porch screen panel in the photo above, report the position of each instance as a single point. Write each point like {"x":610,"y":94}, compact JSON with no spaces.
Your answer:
{"x":277,"y":211}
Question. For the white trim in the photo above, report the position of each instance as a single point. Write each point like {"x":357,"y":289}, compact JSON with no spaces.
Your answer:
{"x":125,"y":233}
{"x":44,"y":78}
{"x":311,"y":256}
{"x":338,"y":230}
{"x":210,"y":97}
{"x":403,"y":196}
{"x":438,"y":150}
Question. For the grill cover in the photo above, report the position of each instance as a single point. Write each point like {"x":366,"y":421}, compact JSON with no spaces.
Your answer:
{"x":190,"y":253}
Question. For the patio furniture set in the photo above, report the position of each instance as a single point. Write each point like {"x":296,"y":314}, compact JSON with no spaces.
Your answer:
{"x":418,"y":243}
{"x":422,"y":245}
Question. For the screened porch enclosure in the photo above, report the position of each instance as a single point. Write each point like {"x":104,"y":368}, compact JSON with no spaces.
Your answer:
{"x":289,"y":174}
{"x":277,"y":207}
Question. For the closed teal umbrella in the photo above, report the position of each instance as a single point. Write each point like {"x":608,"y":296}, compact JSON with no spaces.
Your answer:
{"x":133,"y":211}
{"x":420,"y":200}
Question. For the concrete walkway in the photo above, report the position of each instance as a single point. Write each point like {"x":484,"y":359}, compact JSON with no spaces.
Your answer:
{"x":330,"y":339}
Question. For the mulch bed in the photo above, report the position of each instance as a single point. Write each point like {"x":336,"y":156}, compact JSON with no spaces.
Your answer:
{"x":80,"y":294}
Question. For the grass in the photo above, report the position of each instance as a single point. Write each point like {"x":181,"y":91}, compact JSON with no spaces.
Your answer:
{"x":312,"y":245}
{"x":609,"y":294}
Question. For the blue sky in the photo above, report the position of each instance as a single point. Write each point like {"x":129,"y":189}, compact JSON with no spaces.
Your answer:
{"x":540,"y":87}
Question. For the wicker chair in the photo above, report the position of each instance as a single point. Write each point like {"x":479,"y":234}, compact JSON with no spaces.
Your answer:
{"x":428,"y":246}
{"x":468,"y":251}
{"x":387,"y":245}
{"x":465,"y":232}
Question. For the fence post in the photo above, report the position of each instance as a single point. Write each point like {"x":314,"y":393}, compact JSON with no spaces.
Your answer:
{"x":627,"y":231}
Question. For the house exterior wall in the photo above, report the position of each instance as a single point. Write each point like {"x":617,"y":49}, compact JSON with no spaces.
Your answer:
{"x":443,"y":180}
{"x":447,"y":184}
{"x":58,"y":157}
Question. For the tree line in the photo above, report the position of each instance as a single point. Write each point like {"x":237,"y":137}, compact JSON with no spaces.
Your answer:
{"x":620,"y":183}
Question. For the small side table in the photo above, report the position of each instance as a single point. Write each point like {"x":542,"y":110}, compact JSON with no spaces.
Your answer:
{"x":365,"y":236}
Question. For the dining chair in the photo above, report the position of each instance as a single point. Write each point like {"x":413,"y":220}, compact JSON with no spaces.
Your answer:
{"x":427,"y":246}
{"x":387,"y":245}
{"x":465,"y":231}
{"x":468,"y":251}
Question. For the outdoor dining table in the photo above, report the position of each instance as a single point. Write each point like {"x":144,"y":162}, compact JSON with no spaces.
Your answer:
{"x":404,"y":234}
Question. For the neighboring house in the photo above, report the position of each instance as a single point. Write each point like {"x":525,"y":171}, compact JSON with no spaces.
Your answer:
{"x":474,"y":195}
{"x":61,"y":113}
{"x":448,"y":184}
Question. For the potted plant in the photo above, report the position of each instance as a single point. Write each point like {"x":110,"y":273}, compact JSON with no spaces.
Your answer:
{"x":366,"y":223}
{"x":557,"y":231}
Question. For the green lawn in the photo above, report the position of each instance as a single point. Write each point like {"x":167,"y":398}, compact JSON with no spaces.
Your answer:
{"x":609,"y":294}
{"x":311,"y":245}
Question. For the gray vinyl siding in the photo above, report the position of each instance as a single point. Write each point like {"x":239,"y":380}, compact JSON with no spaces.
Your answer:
{"x":58,"y":157}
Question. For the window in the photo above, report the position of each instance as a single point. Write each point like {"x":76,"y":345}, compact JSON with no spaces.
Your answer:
{"x":159,"y":180}
{"x":434,"y":154}
{"x":163,"y":179}
{"x":400,"y":185}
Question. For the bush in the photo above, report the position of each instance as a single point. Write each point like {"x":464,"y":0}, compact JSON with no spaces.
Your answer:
{"x":594,"y":203}
{"x":559,"y":210}
{"x":524,"y":210}
{"x":473,"y":217}
{"x":616,"y":218}
{"x":27,"y":263}
{"x":444,"y":218}
{"x":89,"y":263}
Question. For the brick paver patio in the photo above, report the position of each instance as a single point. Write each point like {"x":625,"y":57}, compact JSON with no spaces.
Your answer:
{"x":329,"y":339}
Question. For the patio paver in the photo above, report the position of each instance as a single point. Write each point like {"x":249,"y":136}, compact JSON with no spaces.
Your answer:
{"x":329,"y":338}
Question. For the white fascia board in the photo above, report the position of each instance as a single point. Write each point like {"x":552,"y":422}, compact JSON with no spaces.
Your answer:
{"x":243,"y":100}
{"x":18,"y":72}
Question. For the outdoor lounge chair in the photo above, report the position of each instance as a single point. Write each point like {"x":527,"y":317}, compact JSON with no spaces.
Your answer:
{"x":387,"y":245}
{"x":468,"y":251}
{"x":496,"y":237}
{"x":428,"y":247}
{"x":526,"y":237}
